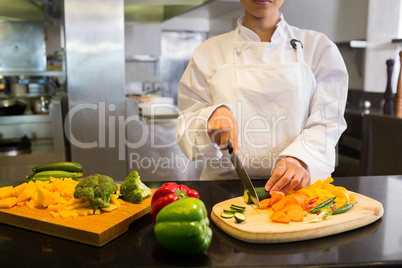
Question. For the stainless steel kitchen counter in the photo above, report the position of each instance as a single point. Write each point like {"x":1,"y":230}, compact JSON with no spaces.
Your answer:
{"x":378,"y":244}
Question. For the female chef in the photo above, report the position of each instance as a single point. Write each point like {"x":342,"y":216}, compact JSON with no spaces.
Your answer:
{"x":276,"y":92}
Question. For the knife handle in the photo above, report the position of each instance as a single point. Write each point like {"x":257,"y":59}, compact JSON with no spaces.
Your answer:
{"x":230,"y":147}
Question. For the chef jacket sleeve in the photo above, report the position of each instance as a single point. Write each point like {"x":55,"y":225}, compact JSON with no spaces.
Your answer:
{"x":195,"y":104}
{"x":315,"y":145}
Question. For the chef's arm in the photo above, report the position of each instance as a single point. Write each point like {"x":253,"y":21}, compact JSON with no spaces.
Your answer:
{"x":195,"y":105}
{"x":315,"y":145}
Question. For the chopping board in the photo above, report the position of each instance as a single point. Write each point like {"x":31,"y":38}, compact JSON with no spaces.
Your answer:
{"x":258,"y":228}
{"x":95,"y":230}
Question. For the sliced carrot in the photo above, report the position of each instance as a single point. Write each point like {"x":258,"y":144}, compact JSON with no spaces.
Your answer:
{"x":295,"y":215}
{"x":265,"y":203}
{"x":296,"y":199}
{"x":278,"y":206}
{"x":292,"y":206}
{"x":275,"y":197}
{"x":279,"y":216}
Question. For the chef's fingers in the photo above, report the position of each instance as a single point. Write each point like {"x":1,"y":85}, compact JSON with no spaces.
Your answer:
{"x":224,"y":138}
{"x":276,"y":175}
{"x":222,"y":127}
{"x":304,"y":181}
{"x":285,"y":180}
{"x":297,"y":182}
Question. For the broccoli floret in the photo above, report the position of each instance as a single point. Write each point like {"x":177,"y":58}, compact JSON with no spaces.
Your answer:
{"x":96,"y":188}
{"x":133,"y":189}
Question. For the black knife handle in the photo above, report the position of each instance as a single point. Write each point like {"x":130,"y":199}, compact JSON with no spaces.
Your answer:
{"x":230,"y":147}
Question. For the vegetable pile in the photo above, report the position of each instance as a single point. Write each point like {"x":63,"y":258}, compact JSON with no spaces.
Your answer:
{"x":55,"y":195}
{"x":72,"y":196}
{"x":321,"y":198}
{"x":181,"y":219}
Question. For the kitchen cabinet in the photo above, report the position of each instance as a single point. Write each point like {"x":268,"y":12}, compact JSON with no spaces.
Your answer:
{"x":372,"y":142}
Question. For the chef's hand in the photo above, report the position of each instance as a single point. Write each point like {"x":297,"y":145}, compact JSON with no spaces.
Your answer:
{"x":290,"y":173}
{"x":222,"y":127}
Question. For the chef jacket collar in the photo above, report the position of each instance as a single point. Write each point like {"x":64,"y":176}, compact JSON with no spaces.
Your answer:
{"x":245,"y":34}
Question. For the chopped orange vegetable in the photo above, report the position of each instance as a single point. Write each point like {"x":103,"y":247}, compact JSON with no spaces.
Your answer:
{"x":8,"y":202}
{"x":292,"y":206}
{"x":18,"y":189}
{"x":29,"y":205}
{"x":46,"y":197}
{"x":339,"y":202}
{"x":264,"y":203}
{"x":297,"y":199}
{"x":295,"y":214}
{"x":66,"y":214}
{"x":21,"y":204}
{"x":279,"y":216}
{"x":328,"y":180}
{"x":275,"y":197}
{"x":73,"y":201}
{"x":109,"y":208}
{"x":278,"y":206}
{"x":6,"y":192}
{"x":54,"y":214}
{"x":341,"y":192}
{"x":29,"y":190}
{"x":306,"y":192}
{"x":114,"y":200}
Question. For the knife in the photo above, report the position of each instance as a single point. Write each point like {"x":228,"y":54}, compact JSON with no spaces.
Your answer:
{"x":244,"y":178}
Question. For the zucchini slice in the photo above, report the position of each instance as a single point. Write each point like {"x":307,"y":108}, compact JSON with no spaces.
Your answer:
{"x":227,"y":215}
{"x":237,"y":208}
{"x":240,"y":217}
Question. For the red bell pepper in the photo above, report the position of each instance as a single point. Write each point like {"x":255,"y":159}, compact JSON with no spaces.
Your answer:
{"x":168,"y":193}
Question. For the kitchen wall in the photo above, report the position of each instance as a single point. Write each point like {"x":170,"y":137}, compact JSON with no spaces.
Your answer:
{"x":384,"y":24}
{"x":340,"y":20}
{"x":145,"y":39}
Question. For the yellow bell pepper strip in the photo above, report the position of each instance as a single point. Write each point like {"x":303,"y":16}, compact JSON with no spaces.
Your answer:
{"x":183,"y":226}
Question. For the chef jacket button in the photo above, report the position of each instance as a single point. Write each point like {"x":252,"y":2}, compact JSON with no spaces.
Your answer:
{"x":238,"y":51}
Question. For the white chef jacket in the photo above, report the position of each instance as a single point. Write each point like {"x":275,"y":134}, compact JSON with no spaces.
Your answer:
{"x":303,"y":120}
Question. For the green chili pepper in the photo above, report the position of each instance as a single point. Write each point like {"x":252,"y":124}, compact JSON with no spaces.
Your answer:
{"x":321,"y":205}
{"x":343,"y":208}
{"x":183,"y":226}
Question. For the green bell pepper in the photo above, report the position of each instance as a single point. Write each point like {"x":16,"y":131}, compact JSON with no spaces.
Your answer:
{"x":183,"y":226}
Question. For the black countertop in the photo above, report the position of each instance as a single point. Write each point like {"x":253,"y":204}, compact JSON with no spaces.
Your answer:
{"x":377,"y":244}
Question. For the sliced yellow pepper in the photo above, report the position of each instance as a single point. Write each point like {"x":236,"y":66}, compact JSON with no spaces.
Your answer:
{"x":328,"y":180}
{"x":339,"y":202}
{"x":307,"y":193}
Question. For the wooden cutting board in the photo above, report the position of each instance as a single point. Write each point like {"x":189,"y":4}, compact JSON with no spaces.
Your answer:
{"x":258,"y":228}
{"x":95,"y":230}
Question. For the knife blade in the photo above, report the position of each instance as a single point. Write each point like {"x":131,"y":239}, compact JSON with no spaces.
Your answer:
{"x":244,"y":178}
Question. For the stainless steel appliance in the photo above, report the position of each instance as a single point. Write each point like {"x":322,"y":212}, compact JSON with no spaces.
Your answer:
{"x":44,"y":133}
